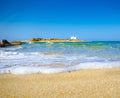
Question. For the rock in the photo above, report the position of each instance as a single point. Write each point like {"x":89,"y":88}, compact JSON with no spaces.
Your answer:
{"x":16,"y":43}
{"x":4,"y":43}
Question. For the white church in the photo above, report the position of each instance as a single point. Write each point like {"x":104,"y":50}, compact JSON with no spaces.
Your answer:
{"x":73,"y":37}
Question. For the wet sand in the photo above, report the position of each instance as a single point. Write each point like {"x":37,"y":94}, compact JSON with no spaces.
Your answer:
{"x":92,"y":83}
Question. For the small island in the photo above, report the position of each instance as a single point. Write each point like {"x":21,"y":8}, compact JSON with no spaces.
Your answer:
{"x":72,"y":39}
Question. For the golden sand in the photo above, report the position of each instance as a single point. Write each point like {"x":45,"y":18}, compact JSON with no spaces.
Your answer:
{"x":95,"y":83}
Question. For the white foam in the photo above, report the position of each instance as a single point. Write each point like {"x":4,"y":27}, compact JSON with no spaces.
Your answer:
{"x":53,"y":69}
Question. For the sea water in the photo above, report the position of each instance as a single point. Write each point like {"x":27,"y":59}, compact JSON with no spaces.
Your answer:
{"x":54,"y":57}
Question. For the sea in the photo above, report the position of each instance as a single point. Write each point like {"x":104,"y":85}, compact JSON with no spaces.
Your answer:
{"x":57,"y":57}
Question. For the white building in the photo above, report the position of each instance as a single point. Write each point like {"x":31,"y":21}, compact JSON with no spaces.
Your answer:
{"x":73,"y":37}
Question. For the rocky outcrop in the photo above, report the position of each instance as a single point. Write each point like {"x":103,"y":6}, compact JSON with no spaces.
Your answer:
{"x":16,"y":43}
{"x":4,"y":43}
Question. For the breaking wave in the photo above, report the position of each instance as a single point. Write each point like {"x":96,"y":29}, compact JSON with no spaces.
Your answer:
{"x":58,"y":57}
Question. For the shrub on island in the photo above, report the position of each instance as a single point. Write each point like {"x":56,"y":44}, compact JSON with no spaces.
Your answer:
{"x":36,"y":39}
{"x":55,"y":39}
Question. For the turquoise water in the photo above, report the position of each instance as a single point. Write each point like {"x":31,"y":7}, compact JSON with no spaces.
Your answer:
{"x":54,"y":57}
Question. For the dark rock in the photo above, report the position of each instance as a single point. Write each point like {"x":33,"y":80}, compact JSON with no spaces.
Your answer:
{"x":4,"y":43}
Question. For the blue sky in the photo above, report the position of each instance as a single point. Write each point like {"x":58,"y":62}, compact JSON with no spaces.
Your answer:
{"x":87,"y":19}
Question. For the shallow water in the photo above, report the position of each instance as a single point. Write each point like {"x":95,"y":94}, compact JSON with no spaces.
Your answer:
{"x":54,"y":57}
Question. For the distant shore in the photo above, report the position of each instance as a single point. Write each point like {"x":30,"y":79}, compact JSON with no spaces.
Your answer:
{"x":91,"y":83}
{"x":4,"y":42}
{"x":56,"y":41}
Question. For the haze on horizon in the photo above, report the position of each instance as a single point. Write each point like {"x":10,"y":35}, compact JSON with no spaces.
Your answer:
{"x":86,"y":19}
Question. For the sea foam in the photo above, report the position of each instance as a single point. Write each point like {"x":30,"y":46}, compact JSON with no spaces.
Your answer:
{"x":54,"y":69}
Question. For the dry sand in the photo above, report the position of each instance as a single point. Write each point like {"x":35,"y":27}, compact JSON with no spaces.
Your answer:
{"x":95,"y":83}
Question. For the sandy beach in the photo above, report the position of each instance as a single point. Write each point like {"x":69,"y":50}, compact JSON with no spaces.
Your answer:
{"x":92,"y":83}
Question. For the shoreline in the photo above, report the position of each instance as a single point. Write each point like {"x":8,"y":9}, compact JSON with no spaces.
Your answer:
{"x":92,"y":83}
{"x":47,"y":40}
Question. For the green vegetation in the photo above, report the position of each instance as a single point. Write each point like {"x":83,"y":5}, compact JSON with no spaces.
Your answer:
{"x":40,"y":39}
{"x":55,"y":39}
{"x":36,"y":39}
